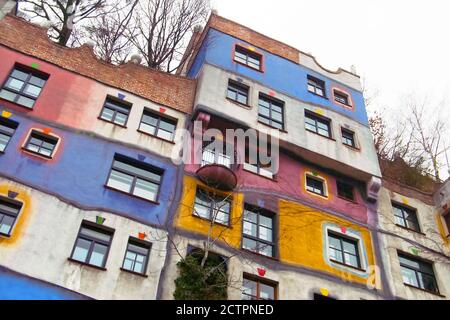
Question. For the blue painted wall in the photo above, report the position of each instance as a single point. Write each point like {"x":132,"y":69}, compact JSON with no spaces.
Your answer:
{"x":14,"y":286}
{"x":280,"y":74}
{"x":80,"y":170}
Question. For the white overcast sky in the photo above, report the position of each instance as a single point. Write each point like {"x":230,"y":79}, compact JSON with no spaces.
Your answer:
{"x":399,"y":46}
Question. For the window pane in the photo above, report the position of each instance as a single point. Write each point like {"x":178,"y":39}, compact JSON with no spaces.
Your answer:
{"x":149,"y":119}
{"x":250,"y":216}
{"x":138,"y":249}
{"x":165,"y":135}
{"x":26,"y":102}
{"x":232,"y":94}
{"x":265,"y":249}
{"x":265,"y":234}
{"x":166,"y":126}
{"x":222,"y":217}
{"x":249,"y":288}
{"x":107,"y":114}
{"x":351,"y":260}
{"x":242,"y":98}
{"x":32,"y":90}
{"x":334,"y":242}
{"x":6,"y":223}
{"x":136,"y":170}
{"x":249,"y":244}
{"x":120,"y":181}
{"x":4,"y":139}
{"x":146,"y":189}
{"x":102,"y":236}
{"x":250,"y":229}
{"x":427,"y":282}
{"x":14,"y":84}
{"x":98,"y":255}
{"x":19,"y":74}
{"x":81,"y":250}
{"x":409,"y":277}
{"x":335,"y":255}
{"x":139,"y":267}
{"x":37,"y":81}
{"x":120,"y":119}
{"x":349,"y":247}
{"x":8,"y":95}
{"x":267,"y":292}
{"x":147,"y":128}
{"x":128,"y":264}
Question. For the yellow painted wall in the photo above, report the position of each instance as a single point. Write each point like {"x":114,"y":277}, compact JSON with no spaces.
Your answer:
{"x":186,"y":219}
{"x":24,"y":215}
{"x":301,"y":239}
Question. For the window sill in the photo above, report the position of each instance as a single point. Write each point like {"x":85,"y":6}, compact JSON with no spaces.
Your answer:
{"x":318,"y":95}
{"x":348,"y":200}
{"x":351,"y":147}
{"x":269,"y":126}
{"x":243,"y":105}
{"x":274,"y":179}
{"x":317,"y":195}
{"x":36,"y":154}
{"x":317,"y":134}
{"x":215,"y":223}
{"x":260,"y":255}
{"x":134,"y":273}
{"x":131,"y":195}
{"x":156,"y":137}
{"x":347,"y":266}
{"x":424,"y":290}
{"x":113,"y":123}
{"x":246,"y":65}
{"x":412,"y":230}
{"x":87,"y":264}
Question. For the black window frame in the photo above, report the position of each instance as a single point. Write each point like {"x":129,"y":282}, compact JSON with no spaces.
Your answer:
{"x":316,"y":83}
{"x":97,"y":228}
{"x":238,"y":88}
{"x":248,"y":54}
{"x":44,"y":138}
{"x":406,"y":209}
{"x":211,"y":208}
{"x":429,"y":264}
{"x":12,"y":125}
{"x":342,"y":238}
{"x":342,"y":185}
{"x":159,"y":118}
{"x":348,"y":135}
{"x":317,"y":119}
{"x":140,"y":165}
{"x":117,"y":106}
{"x":13,"y":204}
{"x":139,"y":243}
{"x":258,"y":281}
{"x":272,"y":102}
{"x":260,"y":212}
{"x":340,"y":94}
{"x":20,"y":93}
{"x":324,"y":192}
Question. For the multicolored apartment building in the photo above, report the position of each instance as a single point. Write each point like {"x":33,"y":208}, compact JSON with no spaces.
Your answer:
{"x":96,"y":202}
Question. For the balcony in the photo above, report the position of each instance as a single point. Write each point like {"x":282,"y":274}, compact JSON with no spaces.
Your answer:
{"x":217,"y":170}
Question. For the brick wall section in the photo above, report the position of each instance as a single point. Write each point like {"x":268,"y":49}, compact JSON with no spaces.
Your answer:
{"x":162,"y":88}
{"x":255,"y":38}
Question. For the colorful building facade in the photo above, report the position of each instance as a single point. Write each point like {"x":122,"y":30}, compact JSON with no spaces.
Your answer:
{"x":96,"y":201}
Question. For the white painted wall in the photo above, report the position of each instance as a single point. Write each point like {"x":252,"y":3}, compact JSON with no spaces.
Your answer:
{"x":46,"y":241}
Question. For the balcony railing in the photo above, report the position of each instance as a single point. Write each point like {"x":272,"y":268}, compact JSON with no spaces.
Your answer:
{"x":210,"y":157}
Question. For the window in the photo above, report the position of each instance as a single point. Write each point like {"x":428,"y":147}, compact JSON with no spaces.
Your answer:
{"x":23,"y":86}
{"x":255,"y":289}
{"x":418,"y":273}
{"x":115,"y":111}
{"x":212,"y":155}
{"x":348,"y":138}
{"x":136,"y":178}
{"x":158,"y":125}
{"x":92,"y":244}
{"x":258,"y":231}
{"x":9,"y":211}
{"x":341,"y":97}
{"x":343,"y":250}
{"x":316,"y":186}
{"x":7,"y":129}
{"x":257,"y":166}
{"x":316,"y":86}
{"x":237,"y":92}
{"x":345,"y":190}
{"x":41,"y":144}
{"x":317,"y":124}
{"x":271,"y":112}
{"x":406,"y":217}
{"x":447,"y":222}
{"x":210,"y":206}
{"x":136,"y":256}
{"x":247,"y":57}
